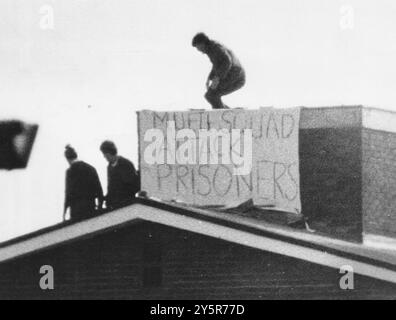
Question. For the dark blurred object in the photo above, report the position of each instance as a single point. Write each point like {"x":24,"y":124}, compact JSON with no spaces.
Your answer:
{"x":16,"y":142}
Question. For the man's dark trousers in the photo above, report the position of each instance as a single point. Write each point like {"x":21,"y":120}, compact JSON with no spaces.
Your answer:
{"x":226,"y":86}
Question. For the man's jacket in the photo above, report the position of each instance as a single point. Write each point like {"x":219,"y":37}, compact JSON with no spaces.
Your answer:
{"x":123,"y":183}
{"x":82,"y":184}
{"x":225,"y":63}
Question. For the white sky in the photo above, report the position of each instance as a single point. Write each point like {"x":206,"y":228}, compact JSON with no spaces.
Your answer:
{"x":122,"y":56}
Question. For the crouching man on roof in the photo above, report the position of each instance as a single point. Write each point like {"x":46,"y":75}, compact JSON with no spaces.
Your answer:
{"x":227,"y":74}
{"x":83,"y":188}
{"x":123,"y":179}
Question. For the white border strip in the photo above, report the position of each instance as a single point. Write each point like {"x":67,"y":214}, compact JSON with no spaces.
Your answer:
{"x":143,"y":212}
{"x":380,"y":242}
{"x":378,"y":119}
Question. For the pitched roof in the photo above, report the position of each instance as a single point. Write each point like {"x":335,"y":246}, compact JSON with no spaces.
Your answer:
{"x":246,"y":231}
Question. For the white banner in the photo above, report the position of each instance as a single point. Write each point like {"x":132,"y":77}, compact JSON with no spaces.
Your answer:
{"x":222,"y":157}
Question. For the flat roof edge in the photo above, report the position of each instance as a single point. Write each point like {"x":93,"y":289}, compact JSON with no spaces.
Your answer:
{"x":338,"y":116}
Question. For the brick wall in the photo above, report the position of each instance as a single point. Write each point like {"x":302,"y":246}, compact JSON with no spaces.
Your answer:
{"x":348,"y":171}
{"x":112,"y":266}
{"x":330,"y":175}
{"x":331,"y":170}
{"x":379,"y":182}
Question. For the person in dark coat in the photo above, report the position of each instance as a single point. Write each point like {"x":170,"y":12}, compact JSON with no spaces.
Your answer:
{"x":227,"y":74}
{"x":123,"y":179}
{"x":83,"y":188}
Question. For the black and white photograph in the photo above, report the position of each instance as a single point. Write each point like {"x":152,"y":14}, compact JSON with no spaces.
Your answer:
{"x":197,"y":155}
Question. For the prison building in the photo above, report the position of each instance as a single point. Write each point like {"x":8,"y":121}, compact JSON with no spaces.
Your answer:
{"x":156,"y":249}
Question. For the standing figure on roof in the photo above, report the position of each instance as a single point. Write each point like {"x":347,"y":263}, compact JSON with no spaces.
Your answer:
{"x":123,"y":179}
{"x":83,"y":188}
{"x":227,"y":74}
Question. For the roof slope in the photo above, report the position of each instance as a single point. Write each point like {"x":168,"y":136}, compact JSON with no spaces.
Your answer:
{"x":375,"y":263}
